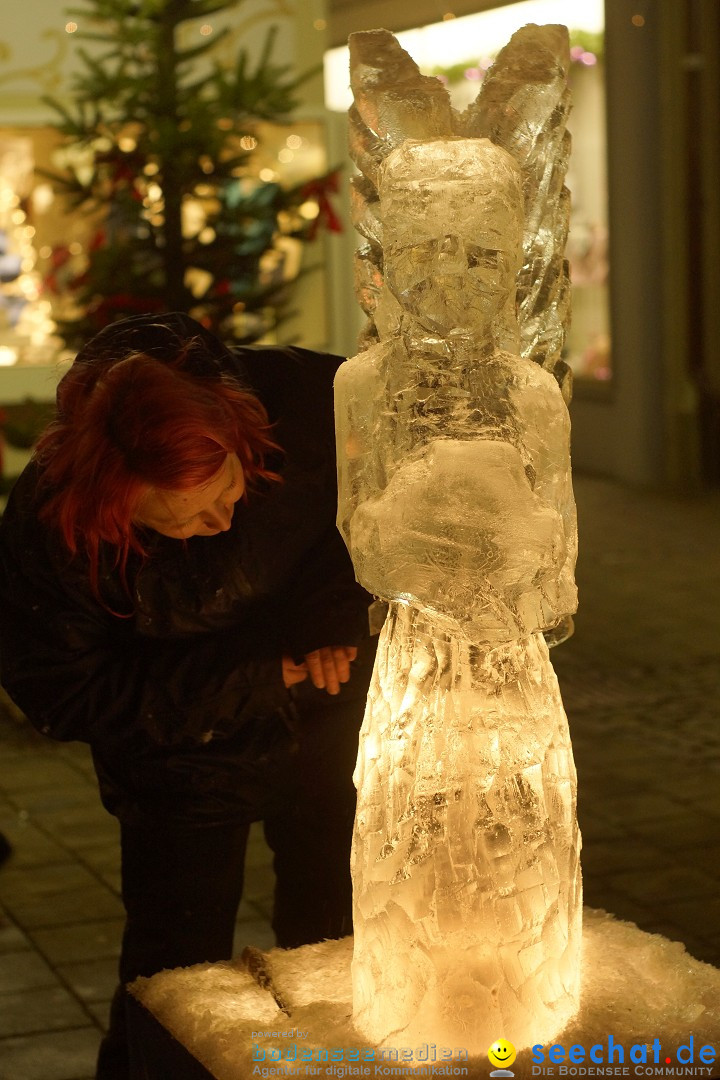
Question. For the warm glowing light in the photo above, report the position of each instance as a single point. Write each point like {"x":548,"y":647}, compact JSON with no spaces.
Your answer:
{"x":207,"y":165}
{"x":43,"y":197}
{"x":309,"y":210}
{"x":193,"y":217}
{"x":206,"y":29}
{"x":207,"y":235}
{"x":638,"y":20}
{"x":154,"y":192}
{"x":248,"y":142}
{"x":294,"y":142}
{"x":8,"y":356}
{"x":45,"y":251}
{"x":197,"y":281}
{"x":448,"y":16}
{"x":286,"y":155}
{"x":151,"y":169}
{"x":127,"y":144}
{"x":267,"y":175}
{"x":71,"y":27}
{"x":17,"y":217}
{"x":75,"y":248}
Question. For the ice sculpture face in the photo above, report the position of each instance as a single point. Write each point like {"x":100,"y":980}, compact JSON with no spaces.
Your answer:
{"x":451,"y":245}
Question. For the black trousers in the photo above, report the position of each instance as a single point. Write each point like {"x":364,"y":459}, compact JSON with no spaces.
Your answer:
{"x":182,"y":883}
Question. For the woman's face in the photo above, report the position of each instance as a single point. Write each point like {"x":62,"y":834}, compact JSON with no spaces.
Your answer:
{"x":205,"y":510}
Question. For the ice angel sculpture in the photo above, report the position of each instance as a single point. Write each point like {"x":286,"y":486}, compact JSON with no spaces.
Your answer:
{"x":456,"y":505}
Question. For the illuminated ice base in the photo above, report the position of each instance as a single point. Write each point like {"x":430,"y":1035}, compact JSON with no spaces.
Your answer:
{"x":636,"y":987}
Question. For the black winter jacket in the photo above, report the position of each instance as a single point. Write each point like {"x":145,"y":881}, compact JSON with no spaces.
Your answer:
{"x":187,"y":687}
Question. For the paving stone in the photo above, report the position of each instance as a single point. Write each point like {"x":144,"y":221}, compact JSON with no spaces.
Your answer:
{"x":83,"y":941}
{"x":635,"y":806}
{"x":17,"y":884}
{"x":257,"y":933}
{"x":258,"y":852}
{"x":113,"y":879}
{"x":259,"y":882}
{"x":248,"y":910}
{"x":87,"y":834}
{"x":22,"y":1012}
{"x":594,"y":826}
{"x":83,"y":826}
{"x":609,"y":857}
{"x":701,"y":915}
{"x":67,"y":907}
{"x":92,"y":980}
{"x":686,"y":831}
{"x":670,"y":882}
{"x":12,"y":938}
{"x":24,"y":970}
{"x":703,"y":950}
{"x":101,"y":857}
{"x":600,"y":895}
{"x":64,"y":1055}
{"x":78,"y":753}
{"x":101,"y":1011}
{"x":31,"y":846}
{"x":39,"y":772}
{"x":664,"y":928}
{"x":38,"y":800}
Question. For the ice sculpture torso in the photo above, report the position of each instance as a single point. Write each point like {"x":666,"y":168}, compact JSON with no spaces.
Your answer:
{"x":456,"y":505}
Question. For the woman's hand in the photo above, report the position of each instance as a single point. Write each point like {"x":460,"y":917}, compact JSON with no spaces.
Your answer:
{"x":293,"y":673}
{"x":327,"y":668}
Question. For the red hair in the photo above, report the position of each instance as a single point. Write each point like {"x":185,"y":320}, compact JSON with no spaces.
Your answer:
{"x":129,"y":425}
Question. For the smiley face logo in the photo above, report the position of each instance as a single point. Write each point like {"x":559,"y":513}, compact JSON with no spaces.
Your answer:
{"x":502,"y":1053}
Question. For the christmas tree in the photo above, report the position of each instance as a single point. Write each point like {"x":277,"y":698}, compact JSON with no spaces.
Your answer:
{"x":160,"y":140}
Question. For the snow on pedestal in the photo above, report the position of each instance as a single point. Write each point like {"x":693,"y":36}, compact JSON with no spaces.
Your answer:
{"x":635,"y":987}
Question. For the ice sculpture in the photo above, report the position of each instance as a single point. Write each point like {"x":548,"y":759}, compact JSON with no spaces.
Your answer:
{"x":456,"y":505}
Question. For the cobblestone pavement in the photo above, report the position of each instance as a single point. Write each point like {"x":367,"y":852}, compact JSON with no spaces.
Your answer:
{"x":641,"y":684}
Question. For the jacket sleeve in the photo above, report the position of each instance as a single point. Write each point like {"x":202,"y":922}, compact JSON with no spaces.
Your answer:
{"x":323,"y":605}
{"x":78,"y":672}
